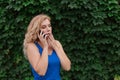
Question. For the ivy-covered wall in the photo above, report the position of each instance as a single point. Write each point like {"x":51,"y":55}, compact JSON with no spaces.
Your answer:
{"x":89,"y":31}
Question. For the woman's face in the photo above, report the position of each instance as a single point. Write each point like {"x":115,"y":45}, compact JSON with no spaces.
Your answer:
{"x":46,"y":27}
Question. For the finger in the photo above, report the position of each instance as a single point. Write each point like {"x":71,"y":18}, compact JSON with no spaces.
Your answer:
{"x":45,"y":37}
{"x":49,"y":41}
{"x":51,"y":35}
{"x":50,"y":38}
{"x":41,"y":33}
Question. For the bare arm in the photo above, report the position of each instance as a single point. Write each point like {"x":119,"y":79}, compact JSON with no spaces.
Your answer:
{"x":38,"y":62}
{"x":65,"y":62}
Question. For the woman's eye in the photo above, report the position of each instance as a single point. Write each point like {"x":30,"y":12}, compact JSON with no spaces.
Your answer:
{"x":50,"y":26}
{"x":44,"y":27}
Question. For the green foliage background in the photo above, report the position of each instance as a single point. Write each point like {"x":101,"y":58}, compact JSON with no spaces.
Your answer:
{"x":89,"y":31}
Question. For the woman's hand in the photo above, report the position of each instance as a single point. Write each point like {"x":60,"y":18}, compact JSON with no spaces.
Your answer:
{"x":43,"y":39}
{"x":51,"y":41}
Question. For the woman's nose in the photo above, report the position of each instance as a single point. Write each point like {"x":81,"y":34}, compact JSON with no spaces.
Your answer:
{"x":48,"y":28}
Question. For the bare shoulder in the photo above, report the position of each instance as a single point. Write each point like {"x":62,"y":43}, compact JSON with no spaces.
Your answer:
{"x":31,"y":46}
{"x":32,"y":51}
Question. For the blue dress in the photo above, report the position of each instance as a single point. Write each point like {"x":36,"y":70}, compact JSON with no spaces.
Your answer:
{"x":53,"y":70}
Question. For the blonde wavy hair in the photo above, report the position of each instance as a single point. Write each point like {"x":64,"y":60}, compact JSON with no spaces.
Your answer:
{"x":32,"y":30}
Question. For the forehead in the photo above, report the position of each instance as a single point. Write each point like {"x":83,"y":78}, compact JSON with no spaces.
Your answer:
{"x":45,"y":22}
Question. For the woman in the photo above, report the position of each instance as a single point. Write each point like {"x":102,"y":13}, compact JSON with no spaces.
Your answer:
{"x":44,"y":53}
